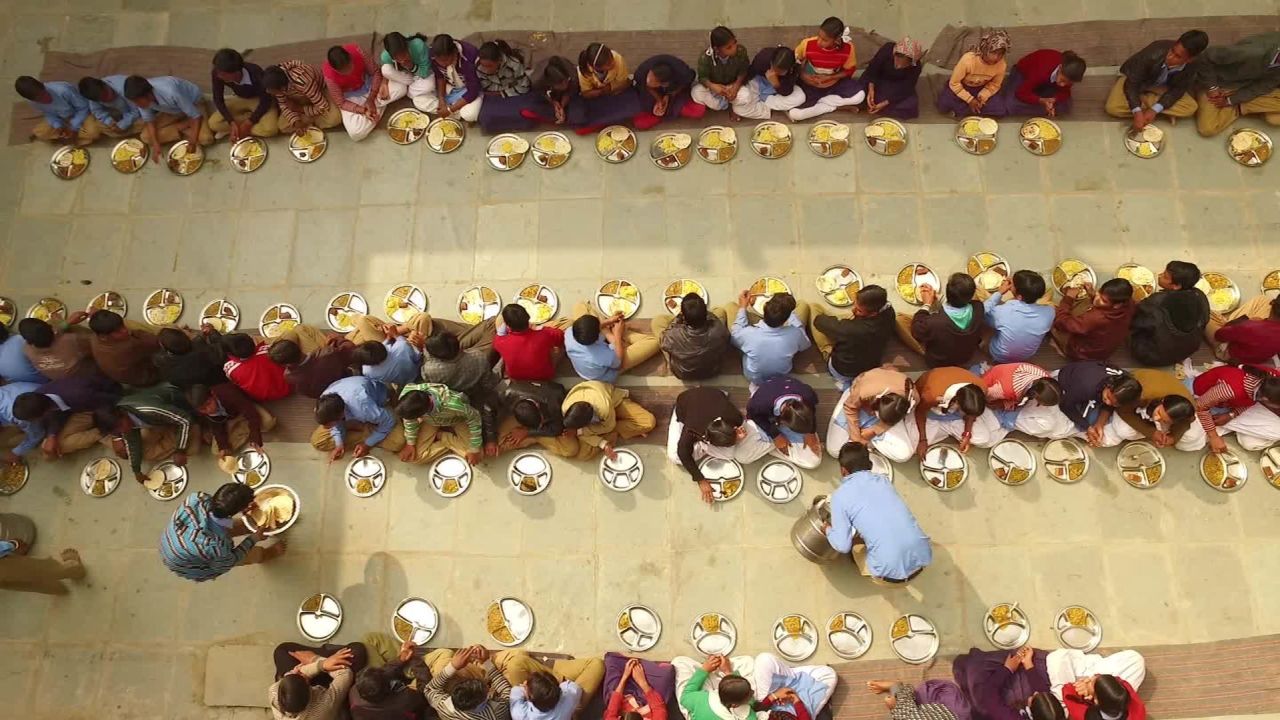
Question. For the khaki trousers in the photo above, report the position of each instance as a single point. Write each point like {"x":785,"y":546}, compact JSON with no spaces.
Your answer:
{"x":356,"y":433}
{"x":479,"y":336}
{"x":40,"y":575}
{"x":434,"y":442}
{"x":1211,"y":120}
{"x":79,"y":433}
{"x":639,"y":346}
{"x":291,"y":122}
{"x":238,"y":429}
{"x":90,"y":130}
{"x":437,"y":660}
{"x":307,"y":337}
{"x":112,"y":131}
{"x":1118,"y":104}
{"x":169,"y":128}
{"x":631,"y":420}
{"x":558,"y":445}
{"x":158,"y":443}
{"x":1257,"y":308}
{"x":241,"y":108}
{"x":904,"y":332}
{"x":516,"y":666}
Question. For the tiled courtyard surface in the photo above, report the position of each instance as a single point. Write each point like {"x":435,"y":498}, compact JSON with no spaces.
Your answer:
{"x":1178,"y":564}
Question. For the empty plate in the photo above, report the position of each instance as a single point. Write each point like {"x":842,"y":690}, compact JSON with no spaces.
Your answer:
{"x":622,"y":474}
{"x":779,"y":482}
{"x":415,"y":620}
{"x":450,"y":476}
{"x":795,"y":637}
{"x":319,"y":617}
{"x":914,"y":638}
{"x":849,"y":634}
{"x":366,"y":476}
{"x":713,"y":634}
{"x":509,"y":621}
{"x":639,"y":627}
{"x":530,"y":473}
{"x":881,"y":465}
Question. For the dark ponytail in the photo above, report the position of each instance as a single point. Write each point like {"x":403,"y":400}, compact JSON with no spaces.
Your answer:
{"x":588,"y":58}
{"x":497,"y":50}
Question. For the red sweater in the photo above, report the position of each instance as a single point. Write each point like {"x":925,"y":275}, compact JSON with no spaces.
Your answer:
{"x":656,"y":706}
{"x":1077,"y":706}
{"x":1036,"y":69}
{"x":258,"y":376}
{"x":529,"y":355}
{"x":1251,"y":341}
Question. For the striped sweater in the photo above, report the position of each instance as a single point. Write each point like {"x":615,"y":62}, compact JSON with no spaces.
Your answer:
{"x":195,"y":546}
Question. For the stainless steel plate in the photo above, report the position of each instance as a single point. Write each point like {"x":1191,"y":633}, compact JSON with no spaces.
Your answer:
{"x":622,"y":474}
{"x":977,"y":135}
{"x":308,"y":146}
{"x":1078,"y":628}
{"x":616,"y":144}
{"x":551,"y":150}
{"x":407,"y":126}
{"x":771,"y":140}
{"x":1140,"y":277}
{"x":100,"y":487}
{"x":1270,"y":462}
{"x":264,"y":495}
{"x":713,"y":634}
{"x":849,"y":635}
{"x":914,"y":639}
{"x":221,"y":315}
{"x":914,"y":276}
{"x":1222,"y":291}
{"x":1041,"y":136}
{"x":944,"y":467}
{"x":839,"y":285}
{"x":529,"y":473}
{"x":14,"y":477}
{"x":404,"y":302}
{"x":517,"y":619}
{"x":676,"y":290}
{"x":506,"y":152}
{"x":109,"y":300}
{"x":69,"y":162}
{"x":278,"y":319}
{"x":366,"y":476}
{"x":1012,"y":462}
{"x":1141,"y":464}
{"x":718,"y":144}
{"x":763,"y":290}
{"x":50,"y":310}
{"x":248,"y":154}
{"x":829,"y":139}
{"x":130,"y":155}
{"x":671,"y":150}
{"x":1073,"y":273}
{"x":541,"y":302}
{"x":779,"y":482}
{"x":415,"y":620}
{"x":618,"y":297}
{"x":8,"y":312}
{"x":253,"y":467}
{"x":795,"y":637}
{"x":163,"y":307}
{"x":166,"y":481}
{"x":725,"y":476}
{"x":1065,"y":460}
{"x":343,"y":309}
{"x":1006,"y":626}
{"x":1143,"y":144}
{"x":444,"y":135}
{"x":450,"y":476}
{"x":886,"y":136}
{"x":639,"y":627}
{"x":479,"y":303}
{"x":880,"y":464}
{"x":1223,"y":471}
{"x":182,"y":159}
{"x":319,"y":617}
{"x":988,"y":270}
{"x":1271,"y":284}
{"x":1249,"y":147}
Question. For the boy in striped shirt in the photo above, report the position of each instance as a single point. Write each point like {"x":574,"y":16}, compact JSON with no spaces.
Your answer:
{"x":827,"y":63}
{"x":197,"y":544}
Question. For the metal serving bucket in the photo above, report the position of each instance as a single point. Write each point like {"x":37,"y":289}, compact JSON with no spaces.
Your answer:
{"x":807,"y":535}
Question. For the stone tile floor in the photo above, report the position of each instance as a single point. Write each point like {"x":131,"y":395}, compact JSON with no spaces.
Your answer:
{"x":131,"y":641}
